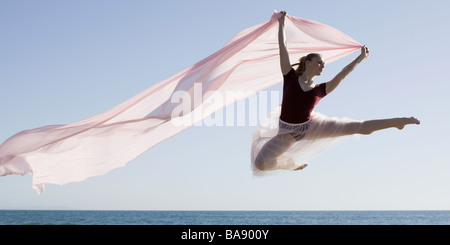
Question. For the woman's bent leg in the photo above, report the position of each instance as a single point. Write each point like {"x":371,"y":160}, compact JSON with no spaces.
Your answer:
{"x":323,"y":132}
{"x":267,"y":156}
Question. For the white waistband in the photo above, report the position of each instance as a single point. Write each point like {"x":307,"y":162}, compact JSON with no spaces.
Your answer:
{"x":294,"y":124}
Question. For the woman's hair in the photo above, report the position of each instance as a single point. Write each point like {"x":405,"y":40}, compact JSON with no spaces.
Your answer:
{"x":301,"y":65}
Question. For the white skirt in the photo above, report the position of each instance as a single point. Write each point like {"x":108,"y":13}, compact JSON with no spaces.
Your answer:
{"x":311,"y":138}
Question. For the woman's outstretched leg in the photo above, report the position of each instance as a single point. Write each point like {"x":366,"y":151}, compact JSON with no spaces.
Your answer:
{"x":267,"y":156}
{"x":368,"y":127}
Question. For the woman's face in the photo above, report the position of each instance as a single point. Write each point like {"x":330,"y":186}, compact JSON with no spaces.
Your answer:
{"x":316,"y":65}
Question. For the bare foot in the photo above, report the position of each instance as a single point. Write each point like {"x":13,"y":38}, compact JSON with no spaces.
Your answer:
{"x":407,"y":120}
{"x":301,"y":167}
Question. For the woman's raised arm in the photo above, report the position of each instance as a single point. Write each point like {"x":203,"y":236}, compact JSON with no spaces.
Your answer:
{"x":331,"y":85}
{"x":284,"y":55}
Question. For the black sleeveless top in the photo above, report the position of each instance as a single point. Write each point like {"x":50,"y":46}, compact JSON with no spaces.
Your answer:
{"x":298,"y":105}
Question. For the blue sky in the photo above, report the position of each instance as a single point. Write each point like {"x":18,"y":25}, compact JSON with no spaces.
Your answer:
{"x":64,"y":61}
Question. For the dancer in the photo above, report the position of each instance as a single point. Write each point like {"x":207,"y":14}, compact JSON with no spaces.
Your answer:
{"x":300,"y":130}
{"x":61,"y":154}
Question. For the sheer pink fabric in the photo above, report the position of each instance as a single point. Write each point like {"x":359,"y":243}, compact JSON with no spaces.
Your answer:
{"x":249,"y":62}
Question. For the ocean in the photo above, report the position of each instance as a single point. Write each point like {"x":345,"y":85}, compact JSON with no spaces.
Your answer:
{"x":82,"y":217}
{"x":226,"y":227}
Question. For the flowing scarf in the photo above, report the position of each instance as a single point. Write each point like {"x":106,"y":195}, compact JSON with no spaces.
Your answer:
{"x":249,"y":62}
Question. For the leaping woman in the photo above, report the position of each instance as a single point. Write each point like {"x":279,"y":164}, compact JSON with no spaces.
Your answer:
{"x":299,"y":131}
